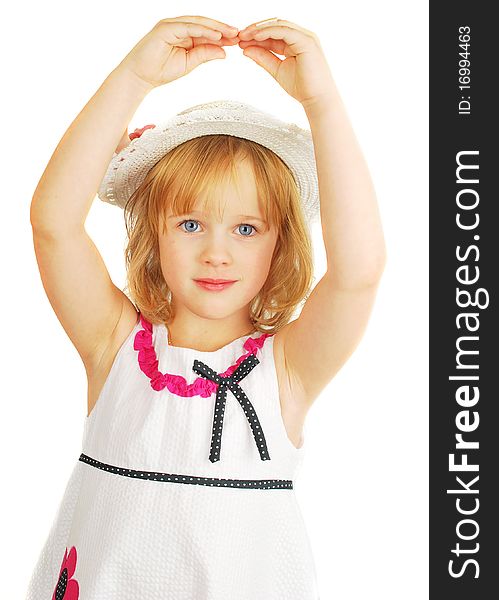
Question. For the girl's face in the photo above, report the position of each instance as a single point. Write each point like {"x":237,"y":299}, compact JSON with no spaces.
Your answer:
{"x":199,"y":246}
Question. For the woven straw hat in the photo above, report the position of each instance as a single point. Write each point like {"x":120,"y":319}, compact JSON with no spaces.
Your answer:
{"x":129,"y":167}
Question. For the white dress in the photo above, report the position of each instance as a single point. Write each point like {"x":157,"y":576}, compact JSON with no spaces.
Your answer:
{"x":162,"y":506}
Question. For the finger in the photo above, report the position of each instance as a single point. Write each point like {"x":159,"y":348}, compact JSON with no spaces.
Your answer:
{"x":296,"y":40}
{"x":276,"y":22}
{"x":224,"y":28}
{"x":202,"y":54}
{"x":185,"y":30}
{"x":276,"y":46}
{"x":181,"y":34}
{"x":221,"y":42}
{"x":191,"y":42}
{"x":270,"y":62}
{"x":265,"y":21}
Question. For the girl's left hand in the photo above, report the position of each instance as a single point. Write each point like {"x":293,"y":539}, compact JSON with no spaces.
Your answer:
{"x":304,"y":73}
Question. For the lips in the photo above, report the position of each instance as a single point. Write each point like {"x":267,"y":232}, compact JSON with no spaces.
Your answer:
{"x":216,"y":280}
{"x":214,"y":285}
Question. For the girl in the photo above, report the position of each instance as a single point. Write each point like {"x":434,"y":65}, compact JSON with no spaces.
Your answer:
{"x":197,"y":402}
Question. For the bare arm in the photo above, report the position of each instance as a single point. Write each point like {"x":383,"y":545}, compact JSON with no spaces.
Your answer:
{"x":65,"y":192}
{"x":351,"y":223}
{"x":337,"y":311}
{"x":74,"y":276}
{"x":85,"y":300}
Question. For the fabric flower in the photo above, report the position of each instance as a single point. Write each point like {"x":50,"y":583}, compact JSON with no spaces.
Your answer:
{"x":67,"y":588}
{"x":138,"y":132}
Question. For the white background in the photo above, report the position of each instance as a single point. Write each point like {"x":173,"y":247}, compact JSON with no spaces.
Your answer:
{"x":363,"y":484}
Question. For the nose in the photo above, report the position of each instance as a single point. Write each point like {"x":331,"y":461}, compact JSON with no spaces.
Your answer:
{"x":215,"y":251}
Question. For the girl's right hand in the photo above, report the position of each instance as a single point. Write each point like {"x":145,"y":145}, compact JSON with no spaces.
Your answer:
{"x":174,"y":47}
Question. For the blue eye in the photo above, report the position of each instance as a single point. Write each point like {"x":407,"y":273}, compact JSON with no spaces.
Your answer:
{"x":246,"y":225}
{"x":188,"y":221}
{"x":193,"y":230}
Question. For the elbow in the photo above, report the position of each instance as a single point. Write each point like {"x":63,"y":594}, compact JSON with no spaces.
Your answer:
{"x":379,"y":267}
{"x":33,"y":219}
{"x":363,"y":276}
{"x":375,"y":266}
{"x":375,"y":271}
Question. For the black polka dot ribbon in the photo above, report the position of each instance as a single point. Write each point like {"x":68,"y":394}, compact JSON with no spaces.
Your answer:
{"x":231,"y":383}
{"x":261,"y":484}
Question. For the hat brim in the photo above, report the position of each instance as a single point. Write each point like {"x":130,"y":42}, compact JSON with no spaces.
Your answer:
{"x":294,"y":145}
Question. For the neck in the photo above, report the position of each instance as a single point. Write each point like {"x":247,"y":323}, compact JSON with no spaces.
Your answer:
{"x":207,"y":335}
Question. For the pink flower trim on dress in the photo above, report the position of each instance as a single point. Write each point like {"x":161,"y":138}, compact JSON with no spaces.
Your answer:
{"x":177,"y":384}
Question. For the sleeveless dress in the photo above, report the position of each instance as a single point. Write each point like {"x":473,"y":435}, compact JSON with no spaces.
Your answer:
{"x":184,"y":486}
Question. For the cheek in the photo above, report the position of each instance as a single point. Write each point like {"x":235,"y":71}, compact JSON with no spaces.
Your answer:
{"x":258,"y":263}
{"x":173,"y":256}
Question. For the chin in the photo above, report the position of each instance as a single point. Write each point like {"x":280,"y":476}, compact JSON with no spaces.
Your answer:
{"x":217,"y":305}
{"x":213,"y":309}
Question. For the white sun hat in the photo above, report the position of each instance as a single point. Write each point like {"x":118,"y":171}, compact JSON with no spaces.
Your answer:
{"x":129,"y":167}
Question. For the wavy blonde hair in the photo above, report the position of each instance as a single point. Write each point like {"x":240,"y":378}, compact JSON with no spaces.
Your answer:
{"x":198,"y":166}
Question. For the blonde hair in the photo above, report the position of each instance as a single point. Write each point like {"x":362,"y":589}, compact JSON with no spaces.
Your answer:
{"x":198,"y":166}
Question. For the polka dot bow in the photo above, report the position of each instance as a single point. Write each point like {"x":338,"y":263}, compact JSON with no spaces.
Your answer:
{"x":232,"y":383}
{"x":138,"y":132}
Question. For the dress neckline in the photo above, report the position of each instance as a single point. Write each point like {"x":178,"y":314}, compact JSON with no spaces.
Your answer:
{"x":148,"y":360}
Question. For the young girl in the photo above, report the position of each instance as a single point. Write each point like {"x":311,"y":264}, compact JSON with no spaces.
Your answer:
{"x":198,"y":389}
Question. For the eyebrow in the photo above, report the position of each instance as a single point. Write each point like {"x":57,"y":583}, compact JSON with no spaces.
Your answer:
{"x":197,"y":212}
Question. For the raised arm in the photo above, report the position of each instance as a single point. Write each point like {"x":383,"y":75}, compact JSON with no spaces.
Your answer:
{"x":335,"y":315}
{"x":74,"y":276}
{"x":66,"y":190}
{"x":332,"y":321}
